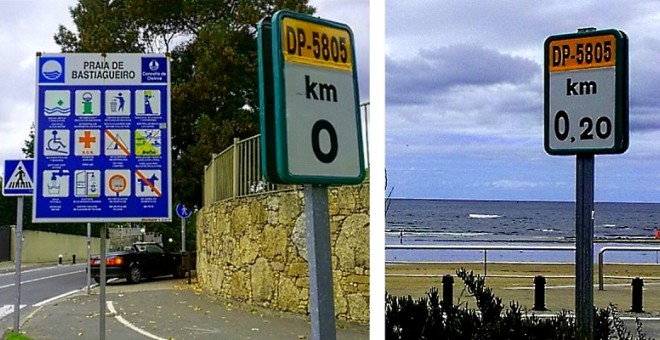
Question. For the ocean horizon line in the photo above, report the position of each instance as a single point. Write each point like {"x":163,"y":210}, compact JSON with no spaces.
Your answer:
{"x":508,"y":200}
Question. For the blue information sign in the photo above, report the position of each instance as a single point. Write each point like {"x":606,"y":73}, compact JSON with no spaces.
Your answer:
{"x":18,"y":178}
{"x":102,"y":140}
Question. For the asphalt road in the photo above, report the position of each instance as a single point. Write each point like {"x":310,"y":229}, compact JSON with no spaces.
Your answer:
{"x":38,"y":286}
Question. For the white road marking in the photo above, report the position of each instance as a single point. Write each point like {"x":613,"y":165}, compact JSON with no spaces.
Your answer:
{"x":39,"y":304}
{"x":43,"y":278}
{"x":40,"y":268}
{"x":7,"y":310}
{"x":123,"y":321}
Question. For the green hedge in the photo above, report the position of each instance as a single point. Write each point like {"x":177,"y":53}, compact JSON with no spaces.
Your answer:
{"x":429,"y":318}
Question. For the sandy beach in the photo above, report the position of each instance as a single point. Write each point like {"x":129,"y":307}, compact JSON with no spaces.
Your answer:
{"x":515,"y":282}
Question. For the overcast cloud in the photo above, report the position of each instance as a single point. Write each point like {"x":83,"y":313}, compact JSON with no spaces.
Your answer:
{"x":464,"y":89}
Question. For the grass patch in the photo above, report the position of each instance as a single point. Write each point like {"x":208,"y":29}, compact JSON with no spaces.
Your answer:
{"x":17,"y":336}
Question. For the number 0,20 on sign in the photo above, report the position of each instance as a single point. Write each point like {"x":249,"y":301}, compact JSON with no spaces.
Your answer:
{"x":586,"y":93}
{"x":317,"y":112}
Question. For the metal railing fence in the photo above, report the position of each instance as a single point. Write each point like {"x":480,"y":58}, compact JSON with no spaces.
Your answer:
{"x":601,"y":260}
{"x":236,"y":171}
{"x":486,"y":248}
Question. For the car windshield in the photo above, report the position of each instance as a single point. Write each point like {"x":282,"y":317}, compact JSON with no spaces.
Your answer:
{"x":150,"y":248}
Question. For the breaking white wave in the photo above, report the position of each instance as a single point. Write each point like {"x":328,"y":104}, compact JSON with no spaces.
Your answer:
{"x":482,"y":216}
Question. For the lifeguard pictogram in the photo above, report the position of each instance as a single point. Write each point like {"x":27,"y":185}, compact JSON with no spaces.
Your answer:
{"x":147,"y":102}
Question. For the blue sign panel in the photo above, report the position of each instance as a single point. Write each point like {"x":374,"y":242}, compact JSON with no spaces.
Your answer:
{"x":182,"y":211}
{"x":18,"y":178}
{"x":102,"y":140}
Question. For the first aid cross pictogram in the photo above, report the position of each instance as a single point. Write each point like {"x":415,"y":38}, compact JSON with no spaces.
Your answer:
{"x":87,"y":139}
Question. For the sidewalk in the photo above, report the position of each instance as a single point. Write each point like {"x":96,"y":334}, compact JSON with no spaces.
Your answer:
{"x":168,"y":309}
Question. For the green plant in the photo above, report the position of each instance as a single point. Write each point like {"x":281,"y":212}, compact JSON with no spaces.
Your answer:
{"x":16,"y":336}
{"x":430,"y":318}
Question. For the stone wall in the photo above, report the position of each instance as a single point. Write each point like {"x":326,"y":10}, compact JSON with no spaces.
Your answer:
{"x":254,"y":249}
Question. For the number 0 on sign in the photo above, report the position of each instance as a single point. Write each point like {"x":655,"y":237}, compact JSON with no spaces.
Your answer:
{"x":586,"y":93}
{"x":316,"y":126}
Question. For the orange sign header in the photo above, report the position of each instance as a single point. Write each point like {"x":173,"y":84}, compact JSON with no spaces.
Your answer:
{"x":582,"y":53}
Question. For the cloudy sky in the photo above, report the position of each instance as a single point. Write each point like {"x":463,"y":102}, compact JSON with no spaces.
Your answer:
{"x":28,"y":26}
{"x":464,"y":100}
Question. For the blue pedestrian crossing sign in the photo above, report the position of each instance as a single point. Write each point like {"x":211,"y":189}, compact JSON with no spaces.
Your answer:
{"x":182,"y":211}
{"x":18,"y":178}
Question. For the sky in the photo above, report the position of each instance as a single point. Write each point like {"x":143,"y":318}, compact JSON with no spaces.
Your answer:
{"x":464,"y":100}
{"x":24,"y":32}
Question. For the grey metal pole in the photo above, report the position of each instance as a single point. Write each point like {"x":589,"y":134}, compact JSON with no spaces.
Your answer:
{"x":319,"y":258}
{"x":102,"y":276}
{"x":584,"y":245}
{"x":17,"y":261}
{"x":89,"y":255}
{"x":183,"y":235}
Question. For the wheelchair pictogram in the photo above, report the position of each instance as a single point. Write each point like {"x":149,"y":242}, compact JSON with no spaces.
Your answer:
{"x":57,"y":142}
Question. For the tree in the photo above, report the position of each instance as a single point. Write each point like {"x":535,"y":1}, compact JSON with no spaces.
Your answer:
{"x":28,"y":144}
{"x":213,"y":50}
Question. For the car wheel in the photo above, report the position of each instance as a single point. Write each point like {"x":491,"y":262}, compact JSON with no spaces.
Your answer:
{"x":134,"y":275}
{"x":97,"y":279}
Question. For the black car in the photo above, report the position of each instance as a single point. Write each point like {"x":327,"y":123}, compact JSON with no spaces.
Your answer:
{"x":142,"y":260}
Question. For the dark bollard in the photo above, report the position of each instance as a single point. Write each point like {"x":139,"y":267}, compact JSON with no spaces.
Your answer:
{"x":74,"y":258}
{"x":447,"y":290}
{"x":59,"y":260}
{"x":637,"y":284}
{"x":539,"y":293}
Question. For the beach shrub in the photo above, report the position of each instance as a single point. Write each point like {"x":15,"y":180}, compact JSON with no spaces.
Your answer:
{"x":430,"y":318}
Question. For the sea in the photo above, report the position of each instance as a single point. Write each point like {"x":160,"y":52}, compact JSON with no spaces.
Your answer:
{"x":517,"y":224}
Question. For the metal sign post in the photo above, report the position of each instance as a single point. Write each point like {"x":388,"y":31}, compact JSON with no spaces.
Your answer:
{"x":17,"y":261}
{"x":584,"y":245}
{"x":321,"y":297}
{"x":183,"y":235}
{"x":311,"y":131}
{"x":585,"y":113}
{"x":89,"y":255}
{"x":102,"y":277}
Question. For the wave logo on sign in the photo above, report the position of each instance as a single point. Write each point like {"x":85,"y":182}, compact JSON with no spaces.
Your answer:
{"x":51,"y":70}
{"x":153,"y":65}
{"x":154,"y":70}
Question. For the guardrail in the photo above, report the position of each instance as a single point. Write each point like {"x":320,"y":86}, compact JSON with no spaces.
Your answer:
{"x":485,"y":249}
{"x":601,"y":253}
